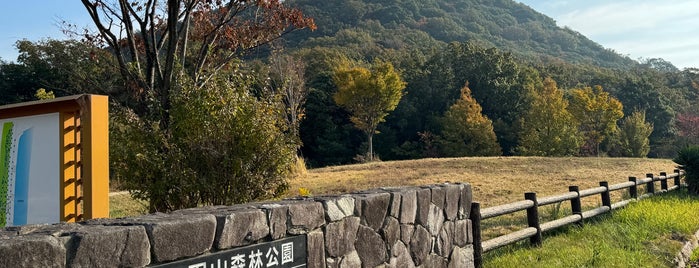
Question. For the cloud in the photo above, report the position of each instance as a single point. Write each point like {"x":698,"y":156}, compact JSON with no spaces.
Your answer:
{"x":639,"y":28}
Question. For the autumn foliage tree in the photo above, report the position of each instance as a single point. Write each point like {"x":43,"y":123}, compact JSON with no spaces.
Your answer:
{"x":688,"y":127}
{"x":155,"y":42}
{"x":598,"y":113}
{"x":548,"y":127}
{"x":188,"y":129}
{"x":368,"y":94}
{"x":466,"y":131}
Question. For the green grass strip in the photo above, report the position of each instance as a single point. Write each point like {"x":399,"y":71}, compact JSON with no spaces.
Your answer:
{"x":5,"y":146}
{"x":648,"y":233}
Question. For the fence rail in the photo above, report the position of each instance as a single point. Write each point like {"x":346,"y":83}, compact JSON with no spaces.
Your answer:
{"x":531,"y":205}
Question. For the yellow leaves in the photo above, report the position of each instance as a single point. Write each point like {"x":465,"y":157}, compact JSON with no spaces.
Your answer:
{"x":368,"y":94}
{"x":305,"y":192}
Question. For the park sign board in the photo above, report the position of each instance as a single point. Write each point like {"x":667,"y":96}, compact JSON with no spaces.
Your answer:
{"x":54,"y":162}
{"x":290,"y":252}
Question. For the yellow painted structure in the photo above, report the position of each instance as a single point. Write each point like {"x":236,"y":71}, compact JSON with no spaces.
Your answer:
{"x":84,"y":147}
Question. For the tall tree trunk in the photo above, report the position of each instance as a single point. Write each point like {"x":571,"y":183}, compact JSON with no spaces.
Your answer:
{"x":371,"y":147}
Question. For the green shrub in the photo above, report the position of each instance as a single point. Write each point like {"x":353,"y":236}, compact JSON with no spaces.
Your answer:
{"x":688,"y":159}
{"x":225,"y":146}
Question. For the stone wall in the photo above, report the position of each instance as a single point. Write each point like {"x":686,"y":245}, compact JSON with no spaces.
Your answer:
{"x":389,"y":227}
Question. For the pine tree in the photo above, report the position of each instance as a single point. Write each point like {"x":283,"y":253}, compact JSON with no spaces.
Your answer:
{"x":466,"y":131}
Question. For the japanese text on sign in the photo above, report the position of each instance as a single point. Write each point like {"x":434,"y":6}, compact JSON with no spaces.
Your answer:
{"x":285,"y":253}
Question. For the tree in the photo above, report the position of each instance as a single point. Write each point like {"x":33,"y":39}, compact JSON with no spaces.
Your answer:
{"x":328,"y":135}
{"x":369,"y":95}
{"x":688,"y":159}
{"x":597,"y":112}
{"x":192,"y":120}
{"x":288,"y":80}
{"x":155,"y":42}
{"x":466,"y":131}
{"x":688,"y":125}
{"x":548,"y":127}
{"x":633,"y":140}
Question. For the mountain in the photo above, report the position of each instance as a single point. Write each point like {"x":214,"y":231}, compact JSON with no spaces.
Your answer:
{"x":398,"y":24}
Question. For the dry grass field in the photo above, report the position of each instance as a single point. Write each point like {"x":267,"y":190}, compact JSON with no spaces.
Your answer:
{"x":495,"y":180}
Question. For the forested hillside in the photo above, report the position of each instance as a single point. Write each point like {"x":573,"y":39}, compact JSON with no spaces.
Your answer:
{"x":476,"y":78}
{"x":504,"y":51}
{"x":399,"y":24}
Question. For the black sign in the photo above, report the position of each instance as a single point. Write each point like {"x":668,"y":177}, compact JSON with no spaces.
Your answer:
{"x":285,"y":253}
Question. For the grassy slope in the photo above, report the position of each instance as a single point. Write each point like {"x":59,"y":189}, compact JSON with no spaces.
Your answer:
{"x":495,"y":180}
{"x":644,"y":234}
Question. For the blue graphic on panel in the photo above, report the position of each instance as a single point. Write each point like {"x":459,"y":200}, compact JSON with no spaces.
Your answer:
{"x":24,"y":149}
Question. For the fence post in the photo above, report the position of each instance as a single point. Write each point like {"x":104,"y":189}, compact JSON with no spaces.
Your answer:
{"x":633,"y":190}
{"x":606,"y":199}
{"x":650,"y":187}
{"x":663,"y":182}
{"x":575,"y":203}
{"x":475,"y":218}
{"x":533,"y":218}
{"x":677,"y":179}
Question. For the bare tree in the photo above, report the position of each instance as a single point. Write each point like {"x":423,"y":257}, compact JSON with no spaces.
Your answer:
{"x":157,"y":42}
{"x":288,"y":80}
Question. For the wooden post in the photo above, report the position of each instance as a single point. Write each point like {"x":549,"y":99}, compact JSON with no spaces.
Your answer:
{"x":575,"y":203}
{"x":663,"y":182}
{"x":606,"y":199}
{"x":475,"y":218}
{"x":533,"y":218}
{"x":633,"y":190}
{"x":677,"y":179}
{"x":650,"y":187}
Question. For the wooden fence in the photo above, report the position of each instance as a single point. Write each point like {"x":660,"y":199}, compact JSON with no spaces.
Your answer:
{"x":531,"y":204}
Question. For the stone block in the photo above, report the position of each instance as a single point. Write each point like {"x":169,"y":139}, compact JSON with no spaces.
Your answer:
{"x":439,"y":195}
{"x":173,"y":236}
{"x":461,"y":257}
{"x":420,"y":244}
{"x":395,"y":208}
{"x":305,"y":217}
{"x":452,"y":202}
{"x":277,"y":216}
{"x":391,"y":231}
{"x":434,"y":261}
{"x":400,"y":257}
{"x":109,"y":246}
{"x":340,"y":236}
{"x":424,"y":199}
{"x":32,"y":251}
{"x":408,"y":207}
{"x":240,"y":228}
{"x":351,"y":260}
{"x":406,"y":232}
{"x":375,"y":209}
{"x":338,"y":208}
{"x":435,"y":219}
{"x":316,"y":249}
{"x":463,"y":233}
{"x":465,"y":201}
{"x":370,"y":247}
{"x":445,"y":240}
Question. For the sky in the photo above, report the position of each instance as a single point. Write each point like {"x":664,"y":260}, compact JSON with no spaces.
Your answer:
{"x":667,"y":29}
